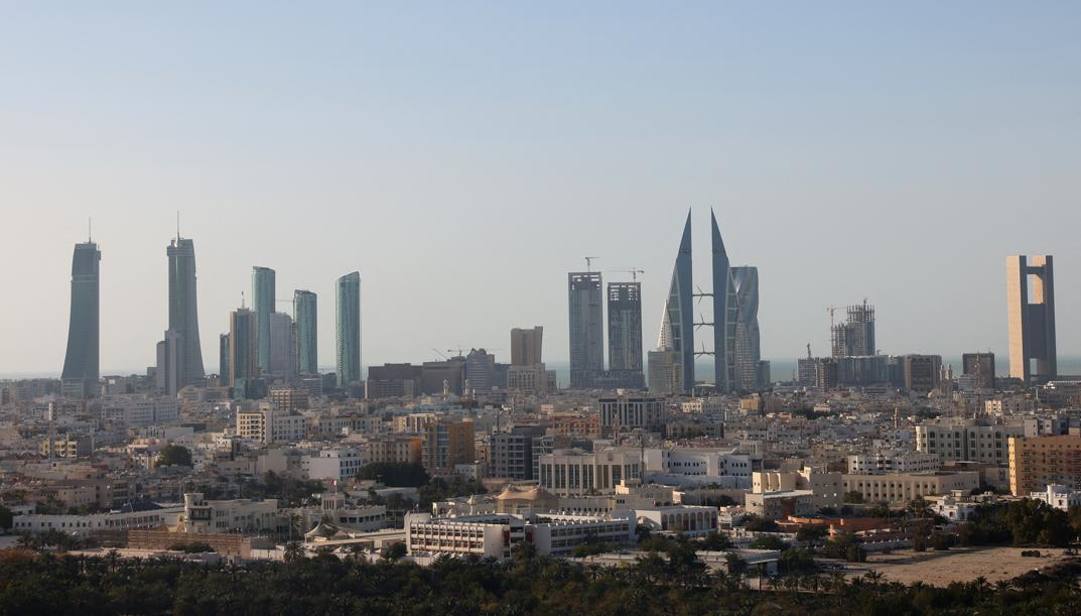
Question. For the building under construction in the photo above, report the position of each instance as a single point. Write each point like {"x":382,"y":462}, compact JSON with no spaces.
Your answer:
{"x":855,"y":337}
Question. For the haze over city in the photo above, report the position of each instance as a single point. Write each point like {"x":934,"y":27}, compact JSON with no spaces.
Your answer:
{"x":464,"y":159}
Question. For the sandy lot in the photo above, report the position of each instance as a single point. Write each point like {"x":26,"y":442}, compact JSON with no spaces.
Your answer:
{"x":956,"y":565}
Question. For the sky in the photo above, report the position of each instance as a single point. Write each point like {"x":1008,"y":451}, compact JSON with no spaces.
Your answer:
{"x":465,"y":156}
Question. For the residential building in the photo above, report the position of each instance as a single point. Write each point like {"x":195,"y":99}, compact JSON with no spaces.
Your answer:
{"x":981,"y":366}
{"x":1038,"y":462}
{"x":967,"y":440}
{"x":893,"y":461}
{"x":267,"y":425}
{"x":282,"y":347}
{"x":525,"y":346}
{"x":447,"y":443}
{"x":510,"y":454}
{"x":1059,"y":497}
{"x":334,"y":464}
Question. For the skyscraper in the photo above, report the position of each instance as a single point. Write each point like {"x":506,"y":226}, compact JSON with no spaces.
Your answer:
{"x":981,"y":366}
{"x":625,"y":326}
{"x":525,"y":346}
{"x":305,"y":314}
{"x":223,"y":359}
{"x":855,"y":337}
{"x":242,"y":349}
{"x":586,"y":327}
{"x":347,"y":336}
{"x":724,"y":314}
{"x":80,"y":375}
{"x":263,"y":293}
{"x":183,"y":311}
{"x":677,"y":321}
{"x":282,"y":347}
{"x":748,"y":352}
{"x":1030,"y":303}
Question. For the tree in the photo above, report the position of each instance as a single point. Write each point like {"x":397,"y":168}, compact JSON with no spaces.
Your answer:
{"x":395,"y":474}
{"x":174,"y":455}
{"x":6,"y":518}
{"x":768,"y":542}
{"x":715,"y":542}
{"x":394,"y":551}
{"x":854,"y":497}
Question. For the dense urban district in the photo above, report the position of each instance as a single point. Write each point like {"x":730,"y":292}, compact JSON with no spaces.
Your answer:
{"x":863,"y":483}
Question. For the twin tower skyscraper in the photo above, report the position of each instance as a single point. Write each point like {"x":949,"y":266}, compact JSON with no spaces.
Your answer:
{"x":736,"y":350}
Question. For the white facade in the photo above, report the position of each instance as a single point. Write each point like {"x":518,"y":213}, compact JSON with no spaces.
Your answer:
{"x":334,"y":464}
{"x":565,"y":472}
{"x":495,"y":535}
{"x":691,"y":520}
{"x":140,"y":411}
{"x":224,"y":516}
{"x":698,"y":462}
{"x":967,"y":441}
{"x":893,"y":461}
{"x":81,"y":524}
{"x":1059,"y":497}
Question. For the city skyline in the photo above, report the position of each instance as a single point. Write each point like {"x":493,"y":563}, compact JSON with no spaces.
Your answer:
{"x":905,"y":170}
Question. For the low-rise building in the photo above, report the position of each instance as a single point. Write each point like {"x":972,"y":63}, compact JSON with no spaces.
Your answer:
{"x":903,"y":487}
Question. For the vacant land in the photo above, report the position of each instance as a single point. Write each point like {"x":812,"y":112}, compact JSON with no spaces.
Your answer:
{"x":955,"y":565}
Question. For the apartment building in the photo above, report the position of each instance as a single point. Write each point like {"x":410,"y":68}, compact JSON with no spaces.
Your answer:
{"x":1038,"y":462}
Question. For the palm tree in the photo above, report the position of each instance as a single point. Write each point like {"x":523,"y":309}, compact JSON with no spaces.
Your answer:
{"x":873,"y":577}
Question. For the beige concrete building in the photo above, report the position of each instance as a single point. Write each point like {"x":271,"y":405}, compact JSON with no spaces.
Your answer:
{"x":1038,"y":462}
{"x":1030,"y":311}
{"x":903,"y":487}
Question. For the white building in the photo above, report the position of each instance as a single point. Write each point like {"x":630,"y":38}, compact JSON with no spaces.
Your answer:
{"x":701,"y":462}
{"x":495,"y":535}
{"x":83,"y":524}
{"x":225,"y":516}
{"x":691,"y":520}
{"x":893,"y":461}
{"x":334,"y":464}
{"x":572,"y":471}
{"x":138,"y":411}
{"x":1059,"y":497}
{"x":967,"y":441}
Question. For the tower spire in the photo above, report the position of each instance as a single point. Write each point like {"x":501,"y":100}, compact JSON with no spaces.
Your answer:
{"x":178,"y":226}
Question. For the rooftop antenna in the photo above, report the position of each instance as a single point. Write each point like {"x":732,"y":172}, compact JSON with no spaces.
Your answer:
{"x":178,"y":226}
{"x":589,"y":263}
{"x":241,"y":297}
{"x":89,"y":230}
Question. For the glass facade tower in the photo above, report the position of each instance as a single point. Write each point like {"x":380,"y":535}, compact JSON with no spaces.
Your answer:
{"x":347,"y":332}
{"x":80,"y":374}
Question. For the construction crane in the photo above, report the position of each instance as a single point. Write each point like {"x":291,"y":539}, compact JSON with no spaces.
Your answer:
{"x":589,"y":263}
{"x":633,"y":272}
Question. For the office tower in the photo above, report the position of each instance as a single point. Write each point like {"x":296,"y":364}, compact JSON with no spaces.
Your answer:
{"x":625,"y":326}
{"x":586,"y":327}
{"x":1030,"y":302}
{"x":855,"y":337}
{"x":242,"y":349}
{"x":307,"y":333}
{"x":79,"y":378}
{"x":170,"y":366}
{"x":921,"y":372}
{"x":724,"y":314}
{"x":263,"y":293}
{"x":525,"y":346}
{"x":282,"y":346}
{"x":480,"y":370}
{"x":348,"y":329}
{"x":665,"y":373}
{"x":223,"y":359}
{"x":747,"y":350}
{"x":981,"y":366}
{"x":183,"y":310}
{"x":677,"y":322}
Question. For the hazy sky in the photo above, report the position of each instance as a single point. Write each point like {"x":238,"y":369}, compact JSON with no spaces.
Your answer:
{"x":463,"y":157}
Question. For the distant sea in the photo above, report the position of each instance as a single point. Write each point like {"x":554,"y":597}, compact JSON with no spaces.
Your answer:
{"x":780,"y":369}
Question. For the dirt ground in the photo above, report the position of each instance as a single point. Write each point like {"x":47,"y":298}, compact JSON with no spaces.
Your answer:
{"x":955,"y":565}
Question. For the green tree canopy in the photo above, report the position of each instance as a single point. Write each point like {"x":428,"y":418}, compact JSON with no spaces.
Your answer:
{"x":174,"y":455}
